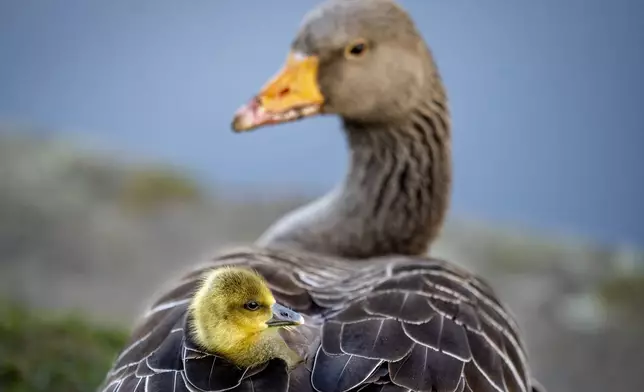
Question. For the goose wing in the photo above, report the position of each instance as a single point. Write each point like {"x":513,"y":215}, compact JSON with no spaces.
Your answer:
{"x":420,"y":325}
{"x":383,"y":324}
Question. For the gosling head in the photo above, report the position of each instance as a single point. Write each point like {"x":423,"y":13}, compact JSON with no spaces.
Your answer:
{"x":235,"y":315}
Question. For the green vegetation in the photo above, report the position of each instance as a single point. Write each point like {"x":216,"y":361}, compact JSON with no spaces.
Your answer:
{"x":146,"y":189}
{"x":76,"y":177}
{"x":54,"y":354}
{"x":625,"y":293}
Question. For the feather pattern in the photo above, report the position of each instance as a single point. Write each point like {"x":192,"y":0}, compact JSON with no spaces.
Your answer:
{"x":383,"y":324}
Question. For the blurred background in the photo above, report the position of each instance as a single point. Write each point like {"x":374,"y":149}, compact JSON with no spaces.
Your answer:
{"x":118,"y":169}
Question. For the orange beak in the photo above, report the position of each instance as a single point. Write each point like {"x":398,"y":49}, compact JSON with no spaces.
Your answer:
{"x":291,"y":95}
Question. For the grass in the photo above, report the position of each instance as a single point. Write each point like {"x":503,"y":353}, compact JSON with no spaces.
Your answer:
{"x":625,"y":293}
{"x":52,"y":353}
{"x":147,"y":189}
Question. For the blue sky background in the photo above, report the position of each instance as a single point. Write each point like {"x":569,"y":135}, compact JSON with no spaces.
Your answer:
{"x":547,"y":97}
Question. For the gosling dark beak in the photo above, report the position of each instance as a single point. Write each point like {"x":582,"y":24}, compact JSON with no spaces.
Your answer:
{"x":291,"y":95}
{"x":283,"y":317}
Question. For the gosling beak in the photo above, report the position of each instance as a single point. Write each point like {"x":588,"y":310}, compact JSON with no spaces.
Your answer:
{"x":283,"y":317}
{"x":291,"y":95}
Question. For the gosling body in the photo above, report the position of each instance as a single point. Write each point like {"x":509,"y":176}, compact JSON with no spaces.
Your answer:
{"x":223,"y":322}
{"x":217,"y":330}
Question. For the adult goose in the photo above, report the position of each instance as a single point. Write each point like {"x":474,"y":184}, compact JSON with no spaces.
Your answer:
{"x":378,"y":314}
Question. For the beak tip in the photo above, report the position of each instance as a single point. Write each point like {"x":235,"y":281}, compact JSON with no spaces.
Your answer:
{"x":249,"y":116}
{"x":238,"y":125}
{"x":300,"y":320}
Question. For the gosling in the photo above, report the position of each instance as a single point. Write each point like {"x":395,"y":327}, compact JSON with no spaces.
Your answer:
{"x":235,"y":316}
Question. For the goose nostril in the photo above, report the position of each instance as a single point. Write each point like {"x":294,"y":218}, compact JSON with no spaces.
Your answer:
{"x":284,"y":92}
{"x":284,"y":314}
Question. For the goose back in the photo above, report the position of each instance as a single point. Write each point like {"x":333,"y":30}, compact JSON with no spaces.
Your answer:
{"x":392,"y":323}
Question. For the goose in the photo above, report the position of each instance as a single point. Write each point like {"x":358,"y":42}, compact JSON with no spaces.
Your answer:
{"x":379,"y":314}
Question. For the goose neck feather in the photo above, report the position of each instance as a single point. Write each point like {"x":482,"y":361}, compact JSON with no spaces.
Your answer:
{"x":394,"y":197}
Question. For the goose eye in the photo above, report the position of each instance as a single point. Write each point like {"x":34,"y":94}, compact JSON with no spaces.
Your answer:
{"x":356,"y":49}
{"x":251,"y":305}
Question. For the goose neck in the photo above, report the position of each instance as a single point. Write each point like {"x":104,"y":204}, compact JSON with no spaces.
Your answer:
{"x":394,"y":197}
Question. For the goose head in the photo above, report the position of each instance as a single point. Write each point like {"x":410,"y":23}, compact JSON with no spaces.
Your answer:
{"x":235,"y":315}
{"x":363,"y":60}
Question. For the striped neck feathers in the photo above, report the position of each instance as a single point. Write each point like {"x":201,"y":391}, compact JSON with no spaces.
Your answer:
{"x":394,"y":198}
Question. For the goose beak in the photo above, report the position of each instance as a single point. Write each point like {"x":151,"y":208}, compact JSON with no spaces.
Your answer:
{"x":283,"y":317}
{"x":291,"y":95}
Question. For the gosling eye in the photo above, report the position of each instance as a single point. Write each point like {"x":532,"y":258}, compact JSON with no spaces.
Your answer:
{"x":251,"y":305}
{"x":356,"y":49}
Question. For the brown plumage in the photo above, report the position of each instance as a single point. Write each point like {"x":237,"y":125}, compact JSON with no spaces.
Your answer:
{"x":379,"y":316}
